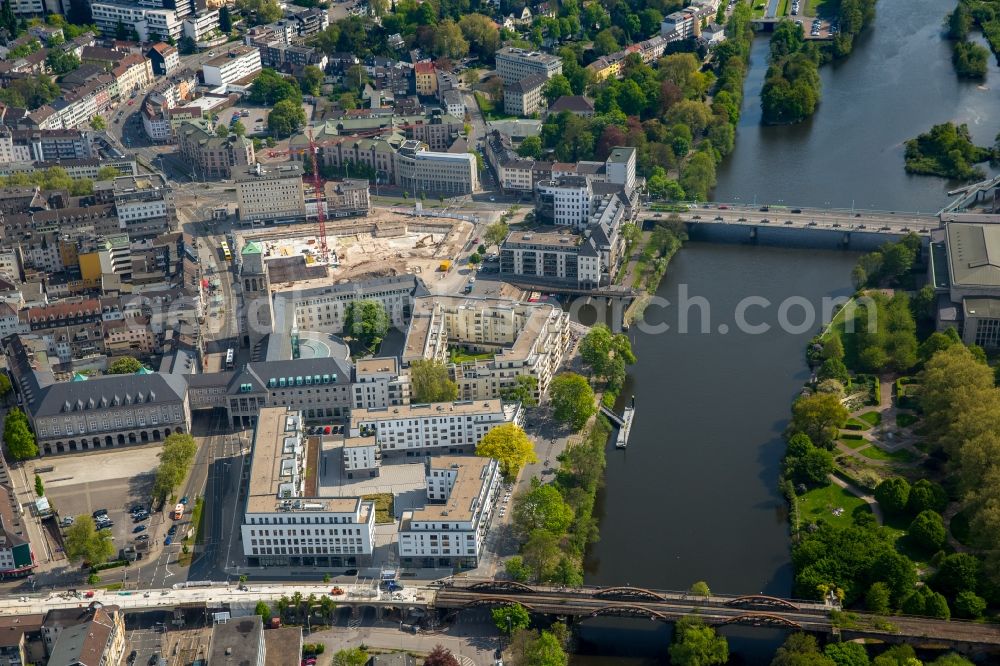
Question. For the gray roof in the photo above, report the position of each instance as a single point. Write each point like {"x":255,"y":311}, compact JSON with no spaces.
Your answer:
{"x":110,"y":390}
{"x":974,"y":254}
{"x":357,"y":288}
{"x":237,"y":642}
{"x":259,"y":373}
{"x":572,"y":103}
{"x":528,"y":83}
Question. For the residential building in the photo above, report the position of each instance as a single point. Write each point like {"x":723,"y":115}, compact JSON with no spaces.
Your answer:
{"x":379,"y":383}
{"x":45,"y":145}
{"x":270,"y":193}
{"x":239,"y":64}
{"x":21,"y":640}
{"x":360,"y":457}
{"x":524,"y":338}
{"x":451,"y":529}
{"x":201,"y":26}
{"x":287,"y":520}
{"x":426,"y":78}
{"x":566,"y":201}
{"x":416,"y":430}
{"x":16,"y":556}
{"x":620,"y":166}
{"x":164,"y":58}
{"x":514,"y":64}
{"x":212,"y":156}
{"x":454,"y":103}
{"x":133,"y":73}
{"x":420,"y":170}
{"x":238,"y":642}
{"x":347,"y":198}
{"x":94,"y":636}
{"x":148,"y":22}
{"x":523,"y":97}
{"x":144,"y":204}
{"x":575,"y":104}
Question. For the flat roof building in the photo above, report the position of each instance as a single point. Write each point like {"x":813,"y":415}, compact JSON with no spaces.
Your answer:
{"x":270,"y":193}
{"x":239,"y":64}
{"x":514,"y":64}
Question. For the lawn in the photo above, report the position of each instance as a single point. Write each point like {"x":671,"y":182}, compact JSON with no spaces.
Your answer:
{"x":853,"y":443}
{"x":489,"y":108}
{"x":461,"y":356}
{"x":871,"y":418}
{"x":783,"y":8}
{"x":875,"y":453}
{"x":196,"y":521}
{"x":819,"y":504}
{"x":383,"y":507}
{"x":861,"y":425}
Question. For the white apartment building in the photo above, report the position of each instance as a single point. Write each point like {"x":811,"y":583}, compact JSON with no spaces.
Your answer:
{"x":421,"y":170}
{"x":287,"y":521}
{"x":524,"y":96}
{"x":525,"y":339}
{"x":239,"y":63}
{"x":378,"y":383}
{"x":451,"y":528}
{"x":514,"y":64}
{"x":269,"y":193}
{"x":197,"y":26}
{"x":361,"y":457}
{"x":415,"y":429}
{"x":145,"y":205}
{"x":570,"y":199}
{"x":620,"y":166}
{"x":321,"y":305}
{"x":146,"y":21}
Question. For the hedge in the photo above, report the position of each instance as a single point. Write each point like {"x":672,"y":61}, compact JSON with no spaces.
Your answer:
{"x":851,"y":435}
{"x":854,"y":426}
{"x":109,"y":565}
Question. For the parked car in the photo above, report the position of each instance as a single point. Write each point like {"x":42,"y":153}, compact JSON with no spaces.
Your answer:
{"x":184,"y":500}
{"x":169,"y":540}
{"x":142,"y":537}
{"x":100,"y":512}
{"x":138,"y":528}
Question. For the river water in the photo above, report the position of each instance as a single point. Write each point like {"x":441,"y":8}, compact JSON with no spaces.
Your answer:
{"x":694,"y":496}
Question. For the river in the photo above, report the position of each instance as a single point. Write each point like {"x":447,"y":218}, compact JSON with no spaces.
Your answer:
{"x":694,"y":496}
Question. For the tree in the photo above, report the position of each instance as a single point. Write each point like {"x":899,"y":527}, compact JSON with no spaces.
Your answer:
{"x":440,"y":656}
{"x":833,"y":348}
{"x":542,"y":507}
{"x":225,"y":20}
{"x":62,"y":62}
{"x":263,"y":610}
{"x":834,"y":368}
{"x":222,"y":130}
{"x":312,"y":80}
{"x":356,"y":76}
{"x":350,"y":657}
{"x":286,"y":118}
{"x":812,"y":468}
{"x":957,"y":573}
{"x":879,"y":598}
{"x":496,"y":233}
{"x":700,"y":589}
{"x":800,"y":650}
{"x":430,"y":382}
{"x":925,"y":601}
{"x":698,"y":176}
{"x":509,"y":445}
{"x":558,"y":86}
{"x":239,"y":129}
{"x":5,"y":384}
{"x":951,"y":659}
{"x":83,"y":542}
{"x":516,"y":569}
{"x":969,"y":605}
{"x":607,"y":354}
{"x":126,"y":365}
{"x":522,"y":391}
{"x":97,"y":124}
{"x":531,"y":146}
{"x":481,"y":33}
{"x":20,"y":442}
{"x":367,"y":322}
{"x":541,"y":553}
{"x":510,"y":618}
{"x":897,"y":655}
{"x":820,"y":415}
{"x":270,"y":87}
{"x":697,"y":644}
{"x":108,"y":173}
{"x":39,"y":486}
{"x":847,"y":654}
{"x":545,"y":651}
{"x":475,"y":258}
{"x":927,"y":531}
{"x":927,"y":495}
{"x":175,"y":459}
{"x":572,"y":399}
{"x":448,"y":41}
{"x":893,"y":494}
{"x":260,"y":11}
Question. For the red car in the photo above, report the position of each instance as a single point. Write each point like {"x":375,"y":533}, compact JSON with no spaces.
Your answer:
{"x":327,"y":430}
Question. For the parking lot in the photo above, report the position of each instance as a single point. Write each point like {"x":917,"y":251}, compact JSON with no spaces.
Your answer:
{"x":255,"y":122}
{"x":114,"y":480}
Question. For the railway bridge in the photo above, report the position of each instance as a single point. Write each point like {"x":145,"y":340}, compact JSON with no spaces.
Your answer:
{"x":756,"y":610}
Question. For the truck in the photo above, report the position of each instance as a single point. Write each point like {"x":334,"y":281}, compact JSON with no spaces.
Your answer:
{"x":178,"y":511}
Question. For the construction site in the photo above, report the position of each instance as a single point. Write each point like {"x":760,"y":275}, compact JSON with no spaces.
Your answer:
{"x":383,"y":243}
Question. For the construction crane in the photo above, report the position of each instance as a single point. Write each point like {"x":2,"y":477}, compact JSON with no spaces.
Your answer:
{"x":318,"y":192}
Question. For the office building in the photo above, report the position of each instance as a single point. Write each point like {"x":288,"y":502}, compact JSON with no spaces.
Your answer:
{"x":452,"y":526}
{"x":144,"y":204}
{"x":421,"y":170}
{"x":287,"y":521}
{"x":212,"y":156}
{"x":525,"y":339}
{"x":349,"y":197}
{"x":270,"y":193}
{"x":514,"y":64}
{"x":164,"y":58}
{"x":239,"y":65}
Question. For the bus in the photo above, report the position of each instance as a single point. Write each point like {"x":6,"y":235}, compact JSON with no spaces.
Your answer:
{"x":230,"y":359}
{"x":225,"y":251}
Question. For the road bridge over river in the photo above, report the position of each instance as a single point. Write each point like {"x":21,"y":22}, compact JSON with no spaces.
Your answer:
{"x":750,"y":610}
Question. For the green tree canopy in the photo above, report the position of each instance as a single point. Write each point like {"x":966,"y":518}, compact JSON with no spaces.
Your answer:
{"x":286,"y":118}
{"x":893,"y":494}
{"x":927,"y":531}
{"x":510,"y":618}
{"x":545,"y":651}
{"x":350,"y":657}
{"x":820,"y":416}
{"x":523,"y":391}
{"x":847,"y":654}
{"x":83,"y":542}
{"x":509,"y":445}
{"x":126,"y":365}
{"x":270,"y":87}
{"x":16,"y":433}
{"x":697,"y":644}
{"x":430,"y":382}
{"x":367,"y":322}
{"x":800,"y":650}
{"x":496,"y":233}
{"x":572,"y":399}
{"x":178,"y":453}
{"x":541,"y":507}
